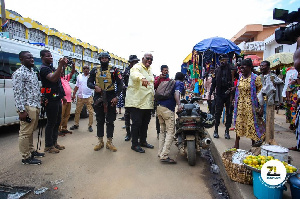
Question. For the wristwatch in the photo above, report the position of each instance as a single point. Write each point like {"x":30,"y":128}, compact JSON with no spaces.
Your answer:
{"x":117,"y":97}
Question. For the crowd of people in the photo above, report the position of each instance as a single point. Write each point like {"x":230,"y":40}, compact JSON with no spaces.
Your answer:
{"x":102,"y":90}
{"x":244,"y":94}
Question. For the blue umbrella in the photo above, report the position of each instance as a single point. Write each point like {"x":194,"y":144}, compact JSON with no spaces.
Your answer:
{"x":218,"y":45}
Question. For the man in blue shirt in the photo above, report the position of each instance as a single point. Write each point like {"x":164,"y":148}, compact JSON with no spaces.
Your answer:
{"x":166,"y":116}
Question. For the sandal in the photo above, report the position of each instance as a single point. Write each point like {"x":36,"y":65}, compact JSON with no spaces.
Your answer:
{"x":168,"y":160}
{"x":257,"y":143}
{"x":61,"y":134}
{"x":292,"y":127}
{"x":294,"y":148}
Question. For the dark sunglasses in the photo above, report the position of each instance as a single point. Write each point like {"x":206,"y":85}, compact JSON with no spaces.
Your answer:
{"x":85,"y":68}
{"x":149,"y":58}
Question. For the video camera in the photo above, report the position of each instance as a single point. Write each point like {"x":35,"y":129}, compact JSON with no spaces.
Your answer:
{"x":287,"y":35}
{"x":70,"y":61}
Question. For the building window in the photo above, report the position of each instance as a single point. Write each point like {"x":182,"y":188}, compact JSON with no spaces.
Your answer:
{"x":16,"y":30}
{"x":250,"y":40}
{"x":78,"y":49}
{"x":78,"y":63}
{"x":279,"y":49}
{"x":67,"y":46}
{"x":95,"y":55}
{"x":87,"y":52}
{"x":35,"y":35}
{"x":54,"y":41}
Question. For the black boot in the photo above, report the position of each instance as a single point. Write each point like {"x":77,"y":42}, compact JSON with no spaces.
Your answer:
{"x":227,"y":136}
{"x":216,"y":134}
{"x":128,"y":135}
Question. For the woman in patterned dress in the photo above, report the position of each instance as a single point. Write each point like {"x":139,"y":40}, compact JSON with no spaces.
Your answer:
{"x":290,"y":94}
{"x":296,"y":84}
{"x":246,"y":120}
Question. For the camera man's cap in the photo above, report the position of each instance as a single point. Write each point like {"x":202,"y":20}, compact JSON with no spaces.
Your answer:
{"x":133,"y":58}
{"x":223,"y":56}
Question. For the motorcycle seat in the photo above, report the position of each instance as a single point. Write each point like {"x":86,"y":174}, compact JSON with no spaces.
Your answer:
{"x":189,"y":106}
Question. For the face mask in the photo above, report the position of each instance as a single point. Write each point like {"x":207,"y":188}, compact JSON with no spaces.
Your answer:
{"x":104,"y":64}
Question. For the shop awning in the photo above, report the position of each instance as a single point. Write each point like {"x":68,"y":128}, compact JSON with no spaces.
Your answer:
{"x":188,"y":58}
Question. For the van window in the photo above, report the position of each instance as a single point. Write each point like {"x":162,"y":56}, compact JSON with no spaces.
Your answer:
{"x":10,"y":62}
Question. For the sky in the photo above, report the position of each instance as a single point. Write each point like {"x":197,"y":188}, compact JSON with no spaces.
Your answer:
{"x":168,"y":29}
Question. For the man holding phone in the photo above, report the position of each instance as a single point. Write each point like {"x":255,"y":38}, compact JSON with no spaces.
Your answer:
{"x":27,"y":98}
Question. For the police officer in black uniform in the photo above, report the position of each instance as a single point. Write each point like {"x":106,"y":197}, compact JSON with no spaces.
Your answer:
{"x":102,"y":79}
{"x":132,"y":61}
{"x":223,"y":86}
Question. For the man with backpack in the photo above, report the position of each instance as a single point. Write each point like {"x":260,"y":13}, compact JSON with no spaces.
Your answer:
{"x":164,"y":76}
{"x":168,"y":96}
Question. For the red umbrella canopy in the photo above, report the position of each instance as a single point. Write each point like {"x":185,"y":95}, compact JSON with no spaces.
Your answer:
{"x":255,"y":59}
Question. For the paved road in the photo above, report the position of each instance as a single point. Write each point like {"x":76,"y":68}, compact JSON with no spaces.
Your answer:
{"x":103,"y":174}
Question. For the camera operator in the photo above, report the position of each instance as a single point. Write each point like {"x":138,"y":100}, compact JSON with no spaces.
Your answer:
{"x":27,"y":98}
{"x":51,"y":83}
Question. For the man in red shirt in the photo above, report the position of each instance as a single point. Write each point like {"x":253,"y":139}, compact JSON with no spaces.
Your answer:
{"x":164,"y":76}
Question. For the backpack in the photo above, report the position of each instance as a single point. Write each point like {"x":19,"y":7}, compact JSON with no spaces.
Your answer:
{"x":164,"y":90}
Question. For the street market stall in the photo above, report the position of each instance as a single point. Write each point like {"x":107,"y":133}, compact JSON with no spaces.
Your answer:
{"x":206,"y":54}
{"x":255,"y":59}
{"x":279,"y":60}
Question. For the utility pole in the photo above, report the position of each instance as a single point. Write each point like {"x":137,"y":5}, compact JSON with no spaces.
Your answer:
{"x":3,"y":14}
{"x":270,"y":121}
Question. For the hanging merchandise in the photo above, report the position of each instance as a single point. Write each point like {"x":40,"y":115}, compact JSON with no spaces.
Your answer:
{"x":283,"y":70}
{"x":194,"y":67}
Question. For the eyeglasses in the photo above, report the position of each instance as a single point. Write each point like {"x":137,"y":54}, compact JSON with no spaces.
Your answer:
{"x":149,"y":58}
{"x":85,"y":68}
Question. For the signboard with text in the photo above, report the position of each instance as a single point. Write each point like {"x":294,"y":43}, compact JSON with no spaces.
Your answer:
{"x":4,"y":34}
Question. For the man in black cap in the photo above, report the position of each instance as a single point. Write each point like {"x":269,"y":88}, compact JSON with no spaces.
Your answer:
{"x":132,"y":61}
{"x":222,"y":85}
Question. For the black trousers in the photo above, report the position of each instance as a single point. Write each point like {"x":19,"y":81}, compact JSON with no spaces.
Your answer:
{"x":53,"y":113}
{"x":220,"y":102}
{"x":139,"y":127}
{"x":107,"y":118}
{"x":212,"y":107}
{"x":127,"y":117}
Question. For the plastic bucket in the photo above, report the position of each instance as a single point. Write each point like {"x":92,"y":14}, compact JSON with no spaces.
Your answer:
{"x":295,"y":191}
{"x":262,"y":191}
{"x":278,"y":152}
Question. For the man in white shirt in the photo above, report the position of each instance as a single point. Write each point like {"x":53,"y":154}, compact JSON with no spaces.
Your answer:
{"x":84,"y":97}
